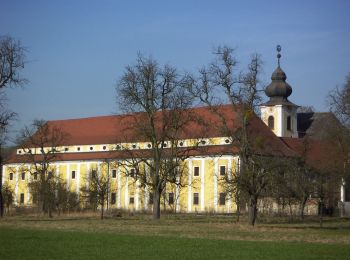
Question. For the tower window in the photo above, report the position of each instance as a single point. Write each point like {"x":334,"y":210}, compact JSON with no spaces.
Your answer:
{"x":289,"y":123}
{"x":271,"y":122}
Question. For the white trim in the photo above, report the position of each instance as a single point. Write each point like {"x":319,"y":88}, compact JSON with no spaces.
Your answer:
{"x":202,"y":184}
{"x":216,"y":169}
{"x":189,"y":194}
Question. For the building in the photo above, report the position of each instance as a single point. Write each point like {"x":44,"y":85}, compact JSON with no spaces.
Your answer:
{"x":95,"y":144}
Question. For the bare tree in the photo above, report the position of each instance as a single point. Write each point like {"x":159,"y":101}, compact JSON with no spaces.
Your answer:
{"x":8,"y":196}
{"x":40,"y":146}
{"x":98,"y":189}
{"x":339,"y":101}
{"x":222,"y":83}
{"x":159,"y":95}
{"x":12,"y":60}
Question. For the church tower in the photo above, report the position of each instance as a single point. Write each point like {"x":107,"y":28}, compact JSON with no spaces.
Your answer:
{"x":279,"y":114}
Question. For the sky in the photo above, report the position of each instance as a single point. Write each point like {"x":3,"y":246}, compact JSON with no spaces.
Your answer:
{"x":77,"y":50}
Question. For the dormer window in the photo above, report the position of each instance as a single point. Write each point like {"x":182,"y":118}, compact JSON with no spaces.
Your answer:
{"x":271,"y":122}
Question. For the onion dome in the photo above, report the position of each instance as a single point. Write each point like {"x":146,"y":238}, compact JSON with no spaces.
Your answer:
{"x":278,"y":87}
{"x":278,"y":90}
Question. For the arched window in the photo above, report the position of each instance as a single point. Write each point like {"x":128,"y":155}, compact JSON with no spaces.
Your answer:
{"x":289,"y":123}
{"x":271,"y":122}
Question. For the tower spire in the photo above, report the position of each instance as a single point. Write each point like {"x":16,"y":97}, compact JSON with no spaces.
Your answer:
{"x":279,"y":48}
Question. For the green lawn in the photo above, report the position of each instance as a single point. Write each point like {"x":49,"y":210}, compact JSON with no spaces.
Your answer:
{"x":173,"y":237}
{"x":48,"y":244}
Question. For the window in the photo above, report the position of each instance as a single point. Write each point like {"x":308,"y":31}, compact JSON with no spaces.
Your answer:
{"x":222,"y":198}
{"x":73,"y":174}
{"x":289,"y":123}
{"x":11,"y":176}
{"x":21,"y":198}
{"x":114,"y":173}
{"x":23,"y":176}
{"x":35,"y":176}
{"x":134,"y":146}
{"x":113,"y":198}
{"x":118,"y":147}
{"x":171,"y":198}
{"x":132,"y":173}
{"x":271,"y":122}
{"x":195,"y":199}
{"x":91,"y":148}
{"x":150,"y":201}
{"x":78,"y":149}
{"x":131,"y":200}
{"x":104,"y":147}
{"x":196,"y":171}
{"x":181,"y":143}
{"x":227,"y":141}
{"x":93,"y":174}
{"x":149,"y":146}
{"x":222,"y":170}
{"x":203,"y":142}
{"x":66,"y":149}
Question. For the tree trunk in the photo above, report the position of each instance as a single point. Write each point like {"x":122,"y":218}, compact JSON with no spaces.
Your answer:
{"x":156,"y":204}
{"x":238,"y":202}
{"x":321,"y":212}
{"x":302,"y":207}
{"x":102,"y":211}
{"x":290,"y":211}
{"x":253,"y":211}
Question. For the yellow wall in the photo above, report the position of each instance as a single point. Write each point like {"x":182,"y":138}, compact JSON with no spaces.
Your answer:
{"x":126,"y":187}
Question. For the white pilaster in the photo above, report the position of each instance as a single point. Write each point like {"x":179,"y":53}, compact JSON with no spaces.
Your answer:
{"x":3,"y":174}
{"x":137,"y":194}
{"x":67,"y":176}
{"x":146,"y":196}
{"x":119,"y":187}
{"x":229,"y":172}
{"x":216,"y":172}
{"x":28,"y":186}
{"x":342,"y":191}
{"x":78,"y":181}
{"x":16,"y":186}
{"x":126,"y":199}
{"x":202,"y":183}
{"x":189,"y":194}
{"x":177,"y":195}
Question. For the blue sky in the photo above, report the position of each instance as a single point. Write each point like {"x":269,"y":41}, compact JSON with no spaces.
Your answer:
{"x":77,"y":50}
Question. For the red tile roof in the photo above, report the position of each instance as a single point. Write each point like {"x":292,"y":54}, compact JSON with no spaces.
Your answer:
{"x":321,"y":155}
{"x":114,"y":129}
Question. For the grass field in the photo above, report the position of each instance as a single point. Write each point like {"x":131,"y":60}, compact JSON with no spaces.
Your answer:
{"x":173,"y":237}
